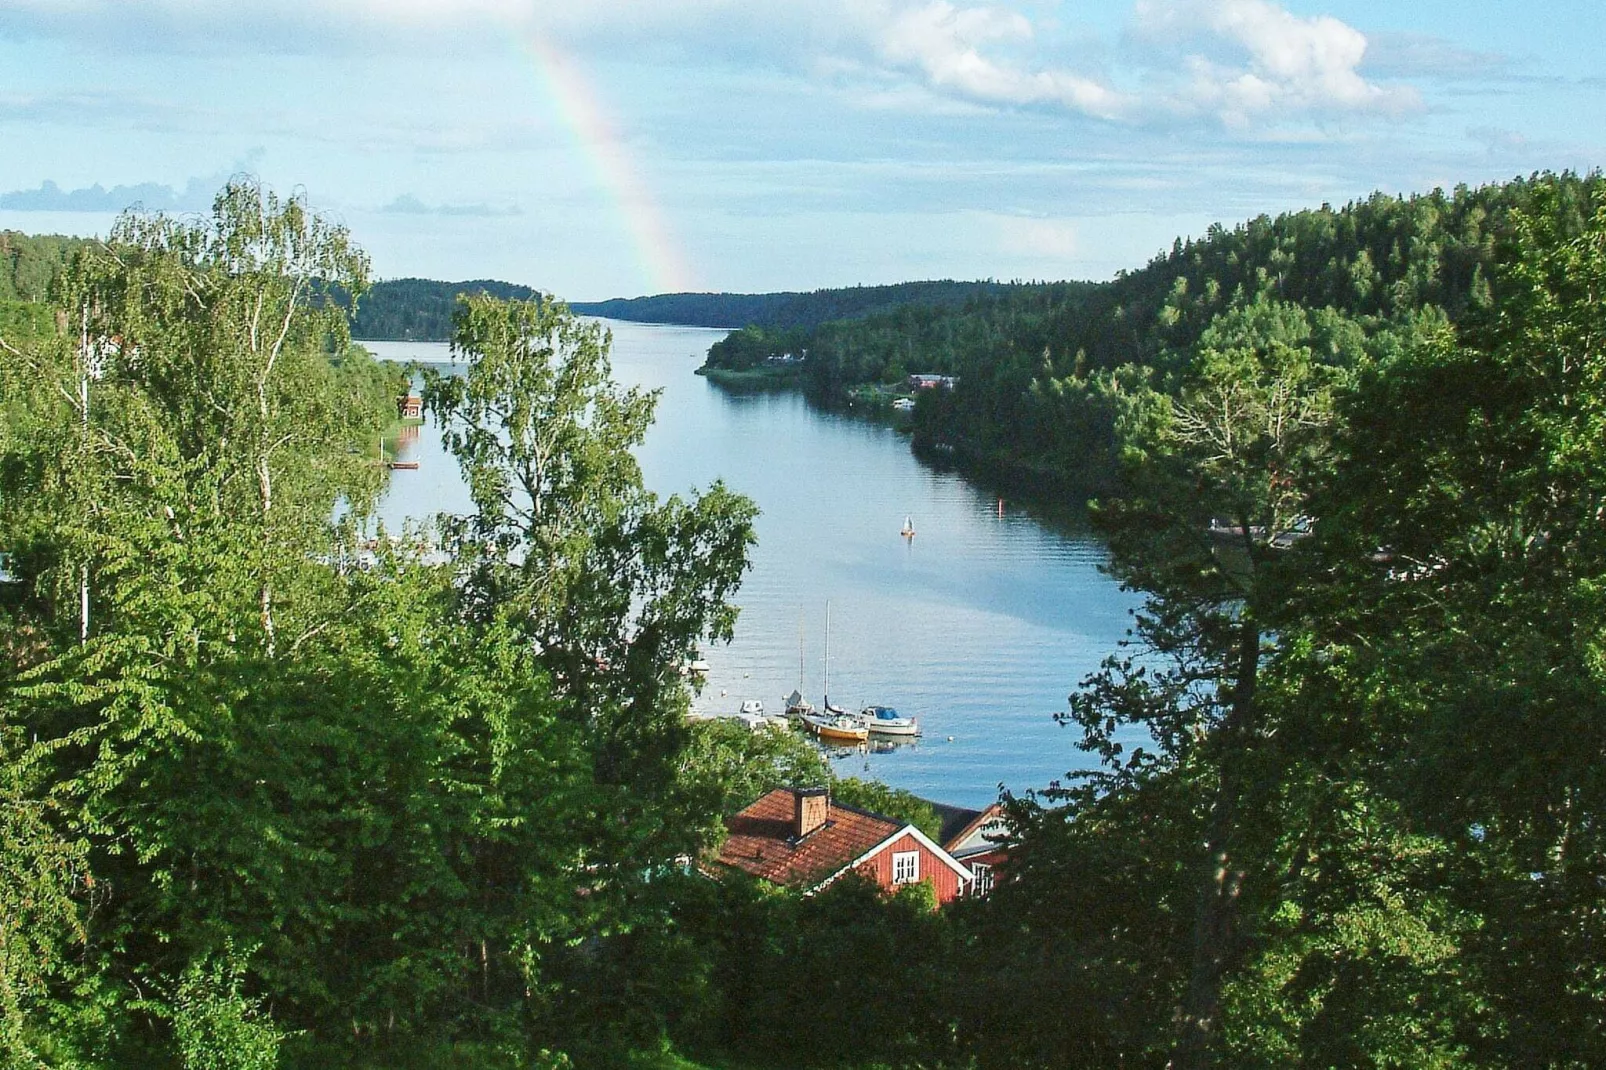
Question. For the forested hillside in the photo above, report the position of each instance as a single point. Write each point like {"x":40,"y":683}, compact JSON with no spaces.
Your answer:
{"x":787,"y":310}
{"x":29,"y":263}
{"x":420,"y":310}
{"x":1027,"y":359}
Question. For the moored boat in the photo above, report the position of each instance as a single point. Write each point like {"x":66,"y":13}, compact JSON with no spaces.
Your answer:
{"x":836,"y":728}
{"x":886,"y":721}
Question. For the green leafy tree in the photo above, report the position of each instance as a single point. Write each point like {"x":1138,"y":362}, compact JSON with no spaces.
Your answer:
{"x":888,"y":801}
{"x":614,"y":587}
{"x":1220,"y":467}
{"x":725,"y":765}
{"x":217,"y":1027}
{"x":1459,"y":623}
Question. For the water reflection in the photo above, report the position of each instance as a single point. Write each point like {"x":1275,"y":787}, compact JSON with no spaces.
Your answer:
{"x":980,"y":625}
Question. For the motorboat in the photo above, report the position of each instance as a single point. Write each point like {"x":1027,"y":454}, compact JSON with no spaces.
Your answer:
{"x":752,"y":708}
{"x":798,"y":707}
{"x":886,"y":721}
{"x":837,"y":728}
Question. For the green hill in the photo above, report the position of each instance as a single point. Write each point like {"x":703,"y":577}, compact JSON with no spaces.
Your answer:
{"x":787,"y":310}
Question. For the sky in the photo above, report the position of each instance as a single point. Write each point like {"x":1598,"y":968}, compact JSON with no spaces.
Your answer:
{"x":602,"y":148}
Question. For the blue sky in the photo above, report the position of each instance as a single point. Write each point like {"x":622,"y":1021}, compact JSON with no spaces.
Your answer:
{"x":762,"y":144}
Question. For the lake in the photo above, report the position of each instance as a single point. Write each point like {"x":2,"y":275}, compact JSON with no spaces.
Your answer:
{"x":980,"y":625}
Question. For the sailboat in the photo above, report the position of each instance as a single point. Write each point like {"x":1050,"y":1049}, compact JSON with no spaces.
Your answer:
{"x":908,"y":527}
{"x":798,"y":707}
{"x":830,"y":709}
{"x":834,"y":724}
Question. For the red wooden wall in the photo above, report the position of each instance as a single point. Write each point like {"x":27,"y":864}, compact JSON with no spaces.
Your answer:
{"x":944,"y":881}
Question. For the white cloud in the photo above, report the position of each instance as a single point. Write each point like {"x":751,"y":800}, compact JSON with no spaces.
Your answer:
{"x":1277,"y":63}
{"x":945,"y":43}
{"x":1244,"y":62}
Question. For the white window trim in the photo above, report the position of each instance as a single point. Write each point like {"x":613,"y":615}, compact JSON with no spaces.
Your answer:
{"x":909,"y":863}
{"x":984,"y":877}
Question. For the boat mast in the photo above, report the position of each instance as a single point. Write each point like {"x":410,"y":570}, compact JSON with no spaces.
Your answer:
{"x":827,"y":692}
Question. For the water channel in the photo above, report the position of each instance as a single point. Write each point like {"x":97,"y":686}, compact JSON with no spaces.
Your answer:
{"x":979,"y":625}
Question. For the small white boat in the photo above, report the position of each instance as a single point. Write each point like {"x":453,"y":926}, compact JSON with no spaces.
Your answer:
{"x":752,"y":708}
{"x":886,"y":721}
{"x":908,"y":531}
{"x":698,"y":667}
{"x":798,"y":707}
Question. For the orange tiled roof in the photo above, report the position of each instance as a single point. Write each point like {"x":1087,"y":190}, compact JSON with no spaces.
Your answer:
{"x":760,"y":841}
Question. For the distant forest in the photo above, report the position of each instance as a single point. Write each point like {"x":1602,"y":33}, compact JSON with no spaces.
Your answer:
{"x":420,"y":310}
{"x":790,"y":310}
{"x":28,"y":266}
{"x":1033,"y":362}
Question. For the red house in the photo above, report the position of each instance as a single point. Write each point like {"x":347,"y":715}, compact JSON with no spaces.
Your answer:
{"x":974,"y":838}
{"x":799,"y":838}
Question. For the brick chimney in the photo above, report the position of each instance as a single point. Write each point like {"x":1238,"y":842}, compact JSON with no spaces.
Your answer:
{"x":810,"y":808}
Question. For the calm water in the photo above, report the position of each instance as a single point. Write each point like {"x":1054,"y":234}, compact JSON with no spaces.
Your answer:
{"x":980,"y":625}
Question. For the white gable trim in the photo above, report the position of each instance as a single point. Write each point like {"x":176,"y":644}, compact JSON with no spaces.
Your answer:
{"x":965,"y":875}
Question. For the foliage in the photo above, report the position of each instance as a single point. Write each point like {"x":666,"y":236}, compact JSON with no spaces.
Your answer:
{"x":41,"y":876}
{"x":726,"y":765}
{"x":418,"y":310}
{"x":360,"y":764}
{"x":31,"y":264}
{"x":216,"y":1027}
{"x":895,"y":803}
{"x":1349,"y":807}
{"x":1027,"y":357}
{"x":849,"y":977}
{"x":1363,"y":771}
{"x":614,"y":587}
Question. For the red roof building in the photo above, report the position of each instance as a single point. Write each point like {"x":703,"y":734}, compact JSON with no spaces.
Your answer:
{"x":799,"y":838}
{"x":975,"y":838}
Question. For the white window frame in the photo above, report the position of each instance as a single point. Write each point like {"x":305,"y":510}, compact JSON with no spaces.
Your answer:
{"x":905,"y":867}
{"x":984,"y":878}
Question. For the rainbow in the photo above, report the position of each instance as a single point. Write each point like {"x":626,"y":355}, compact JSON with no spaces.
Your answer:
{"x":663,"y":269}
